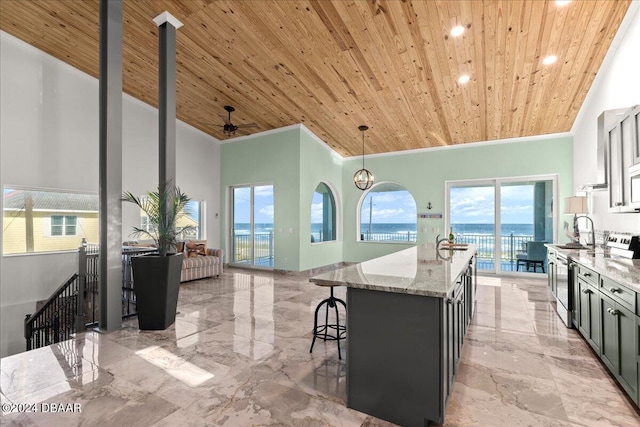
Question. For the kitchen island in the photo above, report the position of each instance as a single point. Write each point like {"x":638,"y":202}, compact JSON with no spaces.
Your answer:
{"x":407,"y":314}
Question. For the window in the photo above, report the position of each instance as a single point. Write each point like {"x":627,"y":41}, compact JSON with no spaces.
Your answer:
{"x":501,"y":217}
{"x":323,"y":214}
{"x":37,"y":220}
{"x":194,"y":215}
{"x":388,"y":214}
{"x":63,"y":225}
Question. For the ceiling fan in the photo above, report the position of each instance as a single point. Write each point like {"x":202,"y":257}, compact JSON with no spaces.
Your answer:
{"x":229,"y":128}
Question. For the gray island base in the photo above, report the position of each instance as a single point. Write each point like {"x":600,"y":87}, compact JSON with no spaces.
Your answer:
{"x":407,"y":314}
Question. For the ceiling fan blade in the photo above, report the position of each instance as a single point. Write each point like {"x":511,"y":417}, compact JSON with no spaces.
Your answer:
{"x":248,"y":126}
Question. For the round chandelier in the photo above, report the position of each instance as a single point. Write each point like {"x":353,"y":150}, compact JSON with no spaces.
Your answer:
{"x":363,"y":179}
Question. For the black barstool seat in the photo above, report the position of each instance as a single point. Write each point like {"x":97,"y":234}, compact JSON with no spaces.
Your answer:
{"x":334,"y":331}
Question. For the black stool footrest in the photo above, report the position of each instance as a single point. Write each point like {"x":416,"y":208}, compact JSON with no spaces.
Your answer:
{"x":331,"y":336}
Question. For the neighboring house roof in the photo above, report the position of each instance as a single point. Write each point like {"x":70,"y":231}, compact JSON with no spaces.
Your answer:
{"x":50,"y":201}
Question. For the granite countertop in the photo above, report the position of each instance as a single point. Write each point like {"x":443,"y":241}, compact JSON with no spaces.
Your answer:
{"x":621,"y":270}
{"x":420,"y":270}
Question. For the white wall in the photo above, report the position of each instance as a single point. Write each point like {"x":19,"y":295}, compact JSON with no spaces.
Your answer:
{"x":616,"y":86}
{"x":49,"y":139}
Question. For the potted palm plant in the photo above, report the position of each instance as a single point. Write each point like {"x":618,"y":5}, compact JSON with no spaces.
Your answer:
{"x":157,"y":275}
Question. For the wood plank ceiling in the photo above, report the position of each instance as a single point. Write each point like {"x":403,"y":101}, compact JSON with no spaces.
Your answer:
{"x":334,"y":65}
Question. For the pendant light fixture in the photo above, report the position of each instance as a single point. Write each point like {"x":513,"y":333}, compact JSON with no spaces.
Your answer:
{"x":363,"y":179}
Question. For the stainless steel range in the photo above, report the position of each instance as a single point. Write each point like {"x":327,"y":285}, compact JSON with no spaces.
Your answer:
{"x":624,"y":245}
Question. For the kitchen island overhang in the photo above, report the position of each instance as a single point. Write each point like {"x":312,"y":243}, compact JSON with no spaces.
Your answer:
{"x":407,"y":314}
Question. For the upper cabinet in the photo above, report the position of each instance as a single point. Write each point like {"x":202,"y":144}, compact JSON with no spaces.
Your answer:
{"x":635,"y":137}
{"x":623,"y":151}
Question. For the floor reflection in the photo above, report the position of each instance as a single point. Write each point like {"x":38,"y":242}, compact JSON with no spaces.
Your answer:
{"x":253,"y":309}
{"x":238,"y":355}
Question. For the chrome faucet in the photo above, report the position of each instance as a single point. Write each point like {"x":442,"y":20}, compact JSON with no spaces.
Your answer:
{"x":439,"y":240}
{"x":593,"y":231}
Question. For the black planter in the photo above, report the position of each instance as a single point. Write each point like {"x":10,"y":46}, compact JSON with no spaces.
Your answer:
{"x":156,"y":282}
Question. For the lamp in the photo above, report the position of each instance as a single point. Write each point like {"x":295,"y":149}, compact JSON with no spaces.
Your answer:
{"x":363,"y":179}
{"x":577,"y":206}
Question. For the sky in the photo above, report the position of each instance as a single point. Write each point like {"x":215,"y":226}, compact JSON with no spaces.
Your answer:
{"x":476,"y":205}
{"x":263,"y":199}
{"x":389,"y":207}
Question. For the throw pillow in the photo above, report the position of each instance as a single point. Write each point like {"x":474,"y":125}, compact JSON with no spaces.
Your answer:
{"x":180,"y":246}
{"x":196,"y":247}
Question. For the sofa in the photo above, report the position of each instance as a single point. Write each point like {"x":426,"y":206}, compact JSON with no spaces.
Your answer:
{"x":199,"y":261}
{"x":202,"y":265}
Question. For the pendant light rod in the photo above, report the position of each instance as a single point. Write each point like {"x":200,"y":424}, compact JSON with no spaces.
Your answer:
{"x":362,"y":128}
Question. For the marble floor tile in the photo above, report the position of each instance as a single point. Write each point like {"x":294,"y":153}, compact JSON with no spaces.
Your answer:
{"x":238,"y":355}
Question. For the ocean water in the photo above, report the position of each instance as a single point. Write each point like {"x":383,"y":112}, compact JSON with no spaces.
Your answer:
{"x":401,"y":228}
{"x":388,"y":228}
{"x":505,"y":229}
{"x":260,"y":228}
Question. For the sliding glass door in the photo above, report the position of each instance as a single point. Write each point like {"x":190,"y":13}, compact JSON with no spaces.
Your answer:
{"x":508,"y":219}
{"x":252,"y":228}
{"x":472,"y":218}
{"x":526,"y":214}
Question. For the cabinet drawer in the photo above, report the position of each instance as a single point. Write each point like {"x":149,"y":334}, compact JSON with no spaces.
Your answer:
{"x":551,"y":255}
{"x":588,"y":275}
{"x":619,"y":293}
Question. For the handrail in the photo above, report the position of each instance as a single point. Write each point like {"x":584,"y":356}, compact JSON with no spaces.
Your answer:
{"x":56,"y":320}
{"x":78,"y":306}
{"x":53,"y":296}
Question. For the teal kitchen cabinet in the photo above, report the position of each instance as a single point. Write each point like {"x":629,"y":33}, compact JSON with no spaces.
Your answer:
{"x":588,"y":312}
{"x":619,"y":343}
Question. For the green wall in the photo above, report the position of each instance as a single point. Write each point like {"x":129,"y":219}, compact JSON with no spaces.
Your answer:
{"x":295,"y":161}
{"x":318,"y":164}
{"x":424,"y":173}
{"x":272,"y":158}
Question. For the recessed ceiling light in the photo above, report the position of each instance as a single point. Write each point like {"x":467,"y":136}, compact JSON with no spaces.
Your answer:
{"x":562,"y":2}
{"x":457,"y":30}
{"x":549,"y":60}
{"x":463,"y":79}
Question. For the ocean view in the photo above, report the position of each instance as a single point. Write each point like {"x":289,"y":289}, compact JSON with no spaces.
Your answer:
{"x":244,"y":228}
{"x":505,"y":229}
{"x":402,"y":228}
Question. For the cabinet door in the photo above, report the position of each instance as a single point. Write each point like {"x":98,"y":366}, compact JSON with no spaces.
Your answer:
{"x":582,"y":305}
{"x":575,"y":311}
{"x":626,"y":141}
{"x":470,"y":294}
{"x":447,"y":373}
{"x":628,"y":371}
{"x":451,"y":340}
{"x":609,"y":337}
{"x":635,"y":137}
{"x":622,"y":149}
{"x":594,"y":318}
{"x":614,"y":158}
{"x":459,"y":309}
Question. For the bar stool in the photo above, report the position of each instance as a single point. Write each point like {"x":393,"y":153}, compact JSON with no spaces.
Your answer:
{"x":331,"y":332}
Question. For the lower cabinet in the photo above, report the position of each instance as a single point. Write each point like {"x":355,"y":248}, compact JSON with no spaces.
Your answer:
{"x":619,"y":343}
{"x":607,"y":315}
{"x":588,"y":312}
{"x":575,"y":297}
{"x":458,"y":312}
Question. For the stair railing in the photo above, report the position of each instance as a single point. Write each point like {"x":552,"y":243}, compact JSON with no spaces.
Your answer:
{"x":56,"y":320}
